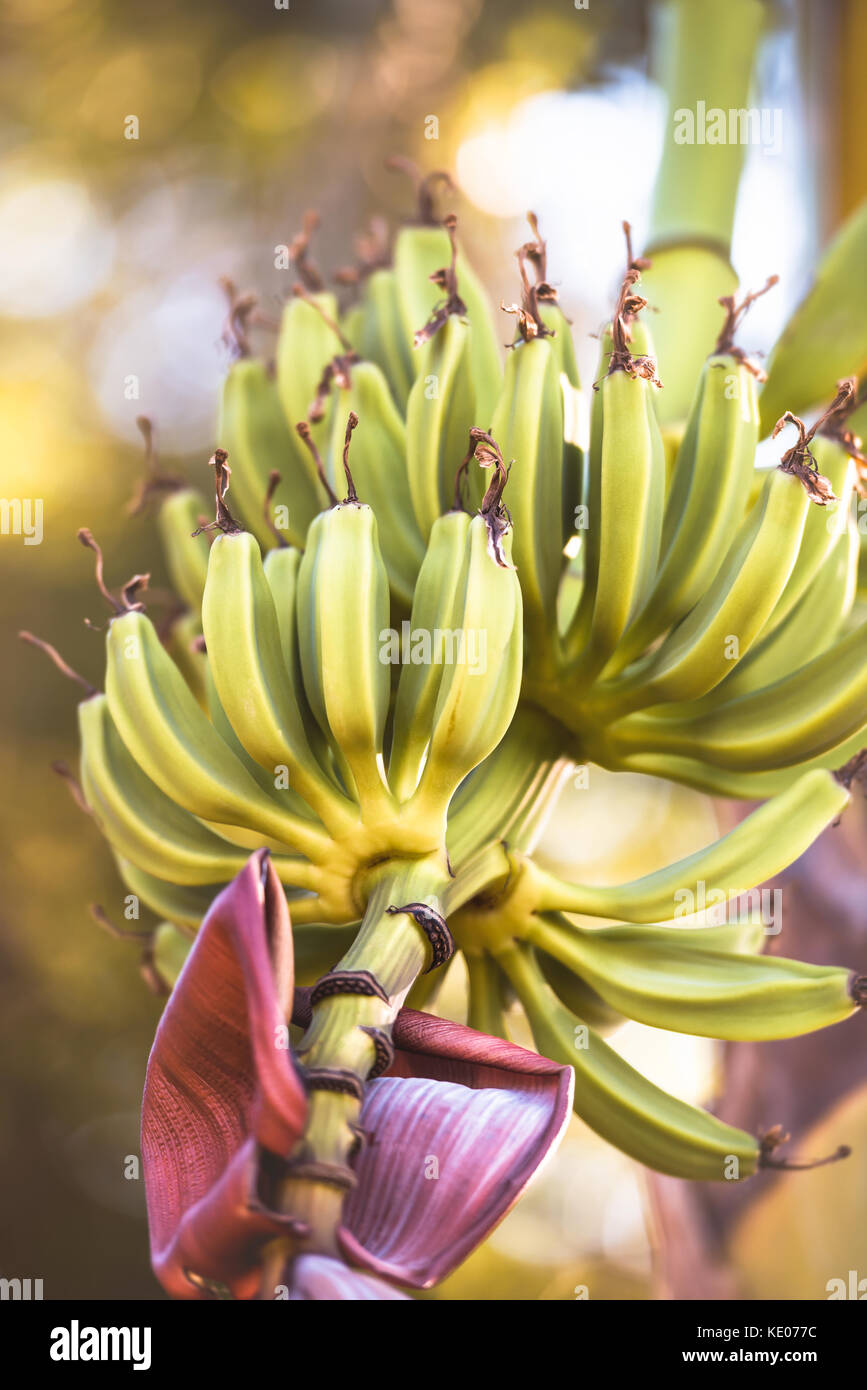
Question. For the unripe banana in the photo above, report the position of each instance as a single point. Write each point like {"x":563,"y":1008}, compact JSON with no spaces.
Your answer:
{"x":186,"y":554}
{"x":251,"y":678}
{"x":762,"y":845}
{"x":823,"y":526}
{"x":712,"y":475}
{"x":806,"y":714}
{"x":625,"y":503}
{"x":140,"y":821}
{"x":379,"y":470}
{"x":382,"y":337}
{"x":254,"y":431}
{"x":528,"y":425}
{"x":183,"y":643}
{"x":173,"y":742}
{"x":419,"y":254}
{"x":617,"y":1102}
{"x":479,"y":691}
{"x":442,"y":573}
{"x":307,"y":343}
{"x":810,"y":628}
{"x":440,"y":412}
{"x":826,"y":337}
{"x":342,"y":614}
{"x":281,"y":568}
{"x":669,"y":978}
{"x":726,"y":622}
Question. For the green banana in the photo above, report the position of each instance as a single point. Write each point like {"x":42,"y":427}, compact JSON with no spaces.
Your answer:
{"x":826,"y":337}
{"x":822,"y":528}
{"x":186,"y":554}
{"x":254,"y":431}
{"x":763,"y":844}
{"x":174,"y":743}
{"x":805,"y":714}
{"x":141,"y":822}
{"x":618,"y":1102}
{"x":183,"y":643}
{"x":479,"y":691}
{"x":252,"y":681}
{"x":170,"y":949}
{"x":379,"y":470}
{"x":442,"y":572}
{"x":668,"y":977}
{"x":342,"y":621}
{"x":420,"y":253}
{"x":528,"y":425}
{"x":712,"y":474}
{"x":725,"y":623}
{"x":809,"y":629}
{"x":308,"y":342}
{"x":625,"y":502}
{"x":382,"y":338}
{"x":440,"y":412}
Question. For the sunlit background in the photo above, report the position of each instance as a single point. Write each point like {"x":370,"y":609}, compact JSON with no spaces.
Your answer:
{"x":147,"y":153}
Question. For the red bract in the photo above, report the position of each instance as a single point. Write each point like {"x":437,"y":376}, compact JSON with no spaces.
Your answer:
{"x":456,"y":1127}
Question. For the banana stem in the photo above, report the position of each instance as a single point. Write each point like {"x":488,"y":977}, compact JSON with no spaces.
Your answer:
{"x":702,"y":55}
{"x":486,"y":1007}
{"x":347,"y":1043}
{"x":512,"y":794}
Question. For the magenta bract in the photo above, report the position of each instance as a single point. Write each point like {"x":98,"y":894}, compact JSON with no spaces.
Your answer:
{"x":456,"y":1127}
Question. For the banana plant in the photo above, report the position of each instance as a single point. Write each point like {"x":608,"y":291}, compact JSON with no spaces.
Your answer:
{"x":391,"y":646}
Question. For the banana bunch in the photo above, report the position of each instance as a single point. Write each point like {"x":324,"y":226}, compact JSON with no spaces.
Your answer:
{"x":576,"y":982}
{"x":306,"y":745}
{"x":428,"y":602}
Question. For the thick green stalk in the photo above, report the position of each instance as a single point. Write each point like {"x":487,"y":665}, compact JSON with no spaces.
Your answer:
{"x":342,"y":1046}
{"x":703,"y":54}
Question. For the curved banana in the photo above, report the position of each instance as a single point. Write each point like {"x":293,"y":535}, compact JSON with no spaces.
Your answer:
{"x":762,"y":845}
{"x":382,"y":338}
{"x":668,"y":978}
{"x":618,"y":1102}
{"x":712,"y":474}
{"x":253,"y":684}
{"x":140,"y":822}
{"x":420,"y":253}
{"x":725,"y":623}
{"x":806,"y":714}
{"x":379,"y":471}
{"x":625,"y":504}
{"x":442,"y":573}
{"x":528,"y":425}
{"x":440,"y":412}
{"x":182,"y":641}
{"x":173,"y":741}
{"x":826,"y":337}
{"x":254,"y":431}
{"x":308,"y":342}
{"x":342,"y":623}
{"x":480,"y":685}
{"x":809,"y":629}
{"x":186,"y":554}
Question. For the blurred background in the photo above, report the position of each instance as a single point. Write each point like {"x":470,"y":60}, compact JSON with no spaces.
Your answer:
{"x":145,"y":154}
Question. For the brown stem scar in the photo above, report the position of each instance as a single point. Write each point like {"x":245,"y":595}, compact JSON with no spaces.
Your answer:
{"x":224,"y":521}
{"x":799,"y":460}
{"x":447,"y":280}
